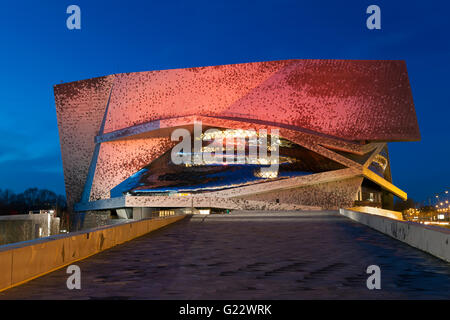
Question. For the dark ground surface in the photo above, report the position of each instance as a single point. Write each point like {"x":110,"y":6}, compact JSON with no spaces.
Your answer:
{"x":262,"y":256}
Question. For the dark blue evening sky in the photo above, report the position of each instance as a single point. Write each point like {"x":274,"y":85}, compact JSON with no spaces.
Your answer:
{"x":38,"y":51}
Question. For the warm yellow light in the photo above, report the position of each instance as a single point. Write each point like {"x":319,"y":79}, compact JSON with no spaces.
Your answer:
{"x":267,"y":174}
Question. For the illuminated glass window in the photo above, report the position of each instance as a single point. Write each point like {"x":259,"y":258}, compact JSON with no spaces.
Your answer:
{"x":162,"y":176}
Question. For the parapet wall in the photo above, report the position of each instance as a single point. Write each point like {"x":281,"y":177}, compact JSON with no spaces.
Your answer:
{"x":23,"y":262}
{"x":396,"y":215}
{"x":434,"y":240}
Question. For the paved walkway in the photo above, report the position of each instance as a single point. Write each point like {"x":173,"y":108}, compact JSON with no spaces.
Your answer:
{"x":262,"y":256}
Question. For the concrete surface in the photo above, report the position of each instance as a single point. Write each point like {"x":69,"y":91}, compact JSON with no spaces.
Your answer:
{"x":30,"y":259}
{"x":281,"y":255}
{"x":431,"y":239}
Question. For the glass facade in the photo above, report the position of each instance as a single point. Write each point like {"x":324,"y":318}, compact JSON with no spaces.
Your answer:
{"x":162,"y":176}
{"x":380,"y":165}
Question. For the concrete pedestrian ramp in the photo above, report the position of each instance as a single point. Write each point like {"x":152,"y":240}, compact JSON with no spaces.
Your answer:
{"x":252,"y":255}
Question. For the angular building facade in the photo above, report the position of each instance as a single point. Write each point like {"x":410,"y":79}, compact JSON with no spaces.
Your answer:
{"x":333,"y":119}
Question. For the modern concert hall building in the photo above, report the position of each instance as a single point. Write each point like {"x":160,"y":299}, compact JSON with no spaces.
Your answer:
{"x":333,"y":119}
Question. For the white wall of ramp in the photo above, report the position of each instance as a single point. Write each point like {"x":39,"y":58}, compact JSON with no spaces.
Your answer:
{"x":434,"y":240}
